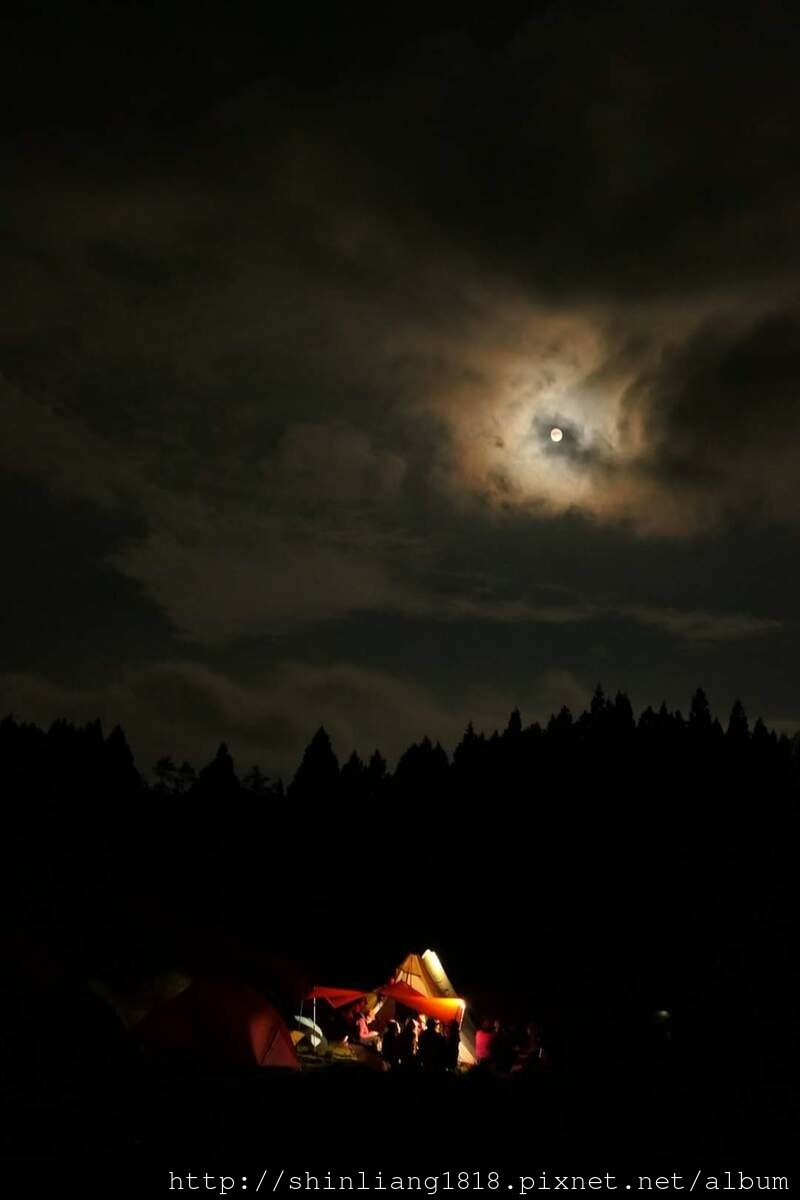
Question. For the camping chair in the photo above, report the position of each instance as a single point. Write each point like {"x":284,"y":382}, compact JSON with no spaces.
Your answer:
{"x":310,"y":1031}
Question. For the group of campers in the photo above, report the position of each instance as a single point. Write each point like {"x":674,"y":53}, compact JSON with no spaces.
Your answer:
{"x":506,"y":1050}
{"x":418,"y":1043}
{"x":411,"y":1045}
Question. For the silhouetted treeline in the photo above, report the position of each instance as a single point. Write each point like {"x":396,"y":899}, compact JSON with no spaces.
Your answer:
{"x":598,"y":856}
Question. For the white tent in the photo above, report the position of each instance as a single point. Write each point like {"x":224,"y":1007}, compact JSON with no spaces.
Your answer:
{"x":425,"y":973}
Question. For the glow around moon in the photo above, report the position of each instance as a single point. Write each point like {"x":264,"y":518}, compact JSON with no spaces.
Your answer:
{"x":505,"y":445}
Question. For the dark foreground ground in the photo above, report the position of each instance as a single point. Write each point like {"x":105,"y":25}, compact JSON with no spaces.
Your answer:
{"x":355,"y":1117}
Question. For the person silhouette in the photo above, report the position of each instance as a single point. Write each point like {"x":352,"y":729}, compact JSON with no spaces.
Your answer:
{"x":453,"y":1045}
{"x":432,"y":1047}
{"x":391,"y":1045}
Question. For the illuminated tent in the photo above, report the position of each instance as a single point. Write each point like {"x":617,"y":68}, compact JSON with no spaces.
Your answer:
{"x":425,"y":974}
{"x":420,"y":984}
{"x":221,"y":1023}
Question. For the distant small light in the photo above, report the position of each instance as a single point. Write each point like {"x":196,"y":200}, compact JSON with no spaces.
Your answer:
{"x":663,"y":1014}
{"x":556,"y":434}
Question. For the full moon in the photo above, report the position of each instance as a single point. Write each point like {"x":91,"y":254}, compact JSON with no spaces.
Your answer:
{"x":556,"y":435}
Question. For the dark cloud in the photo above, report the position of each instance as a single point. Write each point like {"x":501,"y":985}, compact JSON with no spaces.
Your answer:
{"x":597,"y":149}
{"x":721,"y":415}
{"x":734,"y":388}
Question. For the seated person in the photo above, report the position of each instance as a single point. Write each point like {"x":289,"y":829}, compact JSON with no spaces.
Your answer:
{"x":362,"y":1034}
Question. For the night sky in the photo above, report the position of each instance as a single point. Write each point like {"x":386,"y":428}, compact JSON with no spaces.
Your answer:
{"x":291,"y":305}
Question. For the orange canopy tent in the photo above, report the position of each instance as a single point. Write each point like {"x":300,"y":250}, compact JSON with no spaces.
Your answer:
{"x":443,"y":1008}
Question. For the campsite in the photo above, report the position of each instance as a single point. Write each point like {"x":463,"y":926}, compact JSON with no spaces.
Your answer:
{"x":179,"y":1065}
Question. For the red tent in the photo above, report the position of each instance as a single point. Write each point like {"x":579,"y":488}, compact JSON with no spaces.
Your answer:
{"x":221,"y":1023}
{"x":336,"y":997}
